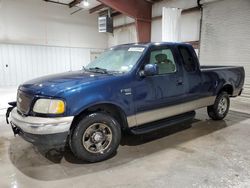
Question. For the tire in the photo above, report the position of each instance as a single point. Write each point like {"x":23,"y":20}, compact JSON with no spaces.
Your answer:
{"x":95,"y":137}
{"x":218,"y":111}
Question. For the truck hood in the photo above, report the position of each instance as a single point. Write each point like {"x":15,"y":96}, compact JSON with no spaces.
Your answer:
{"x":52,"y":85}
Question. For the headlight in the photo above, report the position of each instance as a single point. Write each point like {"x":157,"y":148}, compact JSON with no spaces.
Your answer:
{"x":49,"y":106}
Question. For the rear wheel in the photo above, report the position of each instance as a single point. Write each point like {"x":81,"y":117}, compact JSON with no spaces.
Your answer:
{"x":95,"y":138}
{"x":219,"y":109}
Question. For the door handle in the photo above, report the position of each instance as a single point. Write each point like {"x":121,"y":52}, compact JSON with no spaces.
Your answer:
{"x":179,"y":82}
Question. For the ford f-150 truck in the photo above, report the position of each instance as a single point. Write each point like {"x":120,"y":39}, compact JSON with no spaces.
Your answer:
{"x":133,"y":87}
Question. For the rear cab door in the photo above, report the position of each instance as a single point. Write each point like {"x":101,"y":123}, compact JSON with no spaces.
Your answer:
{"x":192,"y":78}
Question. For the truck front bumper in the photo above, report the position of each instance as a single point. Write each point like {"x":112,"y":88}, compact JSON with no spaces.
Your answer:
{"x":41,"y":131}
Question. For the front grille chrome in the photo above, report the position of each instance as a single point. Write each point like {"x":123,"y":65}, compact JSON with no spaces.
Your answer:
{"x":24,"y":101}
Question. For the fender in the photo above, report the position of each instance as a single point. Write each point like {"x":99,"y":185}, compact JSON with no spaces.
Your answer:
{"x":227,"y":87}
{"x":85,"y":107}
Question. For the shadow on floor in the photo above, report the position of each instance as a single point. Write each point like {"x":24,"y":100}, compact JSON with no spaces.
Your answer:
{"x":44,"y":164}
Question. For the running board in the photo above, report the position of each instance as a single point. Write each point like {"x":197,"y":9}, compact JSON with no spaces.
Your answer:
{"x":153,"y":126}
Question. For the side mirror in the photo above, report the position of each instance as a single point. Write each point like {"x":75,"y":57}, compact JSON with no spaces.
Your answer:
{"x":150,"y":70}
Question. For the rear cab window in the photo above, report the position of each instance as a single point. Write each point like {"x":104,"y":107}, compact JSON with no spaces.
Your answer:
{"x":189,"y":62}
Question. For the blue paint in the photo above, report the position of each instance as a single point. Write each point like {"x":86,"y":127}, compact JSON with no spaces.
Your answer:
{"x":133,"y":93}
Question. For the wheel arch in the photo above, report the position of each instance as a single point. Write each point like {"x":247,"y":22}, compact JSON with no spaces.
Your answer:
{"x":110,"y":108}
{"x":227,"y":88}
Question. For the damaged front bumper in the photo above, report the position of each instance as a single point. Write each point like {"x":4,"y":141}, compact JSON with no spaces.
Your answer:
{"x":40,"y":130}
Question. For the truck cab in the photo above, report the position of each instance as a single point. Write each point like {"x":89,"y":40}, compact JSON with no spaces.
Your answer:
{"x":178,"y":80}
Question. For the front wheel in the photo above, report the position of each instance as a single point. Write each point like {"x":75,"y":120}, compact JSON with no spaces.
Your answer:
{"x":219,"y":109}
{"x":95,"y":138}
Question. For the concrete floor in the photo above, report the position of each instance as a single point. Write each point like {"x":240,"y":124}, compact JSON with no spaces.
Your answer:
{"x":7,"y":94}
{"x":203,"y":154}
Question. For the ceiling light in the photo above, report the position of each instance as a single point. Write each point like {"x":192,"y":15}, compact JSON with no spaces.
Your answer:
{"x":85,"y":3}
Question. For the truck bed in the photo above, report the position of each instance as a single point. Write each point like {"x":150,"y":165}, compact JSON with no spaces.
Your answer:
{"x":222,"y":75}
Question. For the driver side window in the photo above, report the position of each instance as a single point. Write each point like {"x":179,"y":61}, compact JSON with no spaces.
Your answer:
{"x":164,"y":59}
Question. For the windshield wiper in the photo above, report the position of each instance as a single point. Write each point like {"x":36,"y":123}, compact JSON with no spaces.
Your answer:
{"x":99,"y":70}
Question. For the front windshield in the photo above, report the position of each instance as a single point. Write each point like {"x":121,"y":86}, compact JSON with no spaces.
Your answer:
{"x":119,"y":60}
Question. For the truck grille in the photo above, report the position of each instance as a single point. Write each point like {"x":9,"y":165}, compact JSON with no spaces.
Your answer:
{"x":23,"y":102}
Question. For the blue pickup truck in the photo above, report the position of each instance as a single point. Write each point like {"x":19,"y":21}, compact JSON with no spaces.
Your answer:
{"x":134,"y":88}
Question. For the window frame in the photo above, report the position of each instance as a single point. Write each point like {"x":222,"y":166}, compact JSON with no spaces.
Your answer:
{"x":193,"y":59}
{"x":156,"y":48}
{"x":121,"y":48}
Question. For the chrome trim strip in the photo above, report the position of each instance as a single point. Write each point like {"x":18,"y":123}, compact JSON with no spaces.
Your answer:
{"x":161,"y":113}
{"x":38,"y":125}
{"x":131,"y":120}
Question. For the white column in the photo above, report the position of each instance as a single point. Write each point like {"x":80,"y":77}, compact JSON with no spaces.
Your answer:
{"x":171,"y":24}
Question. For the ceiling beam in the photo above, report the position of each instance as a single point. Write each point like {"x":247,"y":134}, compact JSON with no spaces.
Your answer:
{"x":189,"y":10}
{"x":140,"y":10}
{"x":74,"y":3}
{"x":56,"y":2}
{"x":113,"y":14}
{"x":153,"y":1}
{"x":137,"y":9}
{"x":97,"y":8}
{"x":184,"y":11}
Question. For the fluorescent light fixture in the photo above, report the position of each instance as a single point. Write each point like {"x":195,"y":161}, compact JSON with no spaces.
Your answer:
{"x":85,"y":3}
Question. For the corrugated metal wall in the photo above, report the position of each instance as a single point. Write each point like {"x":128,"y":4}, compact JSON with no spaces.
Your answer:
{"x":19,"y":63}
{"x":225,"y":35}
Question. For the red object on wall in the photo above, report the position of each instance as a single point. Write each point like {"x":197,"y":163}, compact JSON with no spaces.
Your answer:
{"x":140,"y":10}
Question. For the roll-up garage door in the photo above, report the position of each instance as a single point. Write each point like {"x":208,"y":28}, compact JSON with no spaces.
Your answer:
{"x":225,"y":36}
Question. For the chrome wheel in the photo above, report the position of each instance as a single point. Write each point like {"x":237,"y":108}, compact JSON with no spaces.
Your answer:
{"x":97,"y":138}
{"x":222,"y":106}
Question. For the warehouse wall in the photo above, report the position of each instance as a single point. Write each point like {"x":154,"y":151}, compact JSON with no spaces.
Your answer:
{"x":125,"y":34}
{"x":19,"y":63}
{"x":38,"y":22}
{"x":190,"y":27}
{"x":190,"y":24}
{"x":39,"y":38}
{"x":225,"y":36}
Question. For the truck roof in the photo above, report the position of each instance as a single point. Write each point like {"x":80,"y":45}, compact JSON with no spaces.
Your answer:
{"x":149,"y":44}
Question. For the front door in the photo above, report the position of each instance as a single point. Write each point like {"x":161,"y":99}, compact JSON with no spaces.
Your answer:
{"x":152,"y":94}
